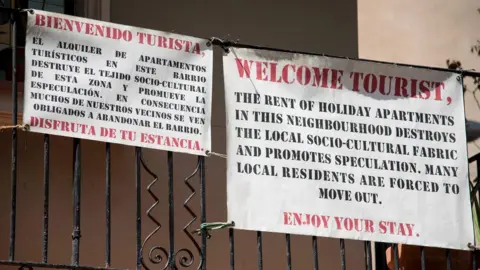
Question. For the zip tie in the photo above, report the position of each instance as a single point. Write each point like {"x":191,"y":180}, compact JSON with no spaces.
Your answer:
{"x":220,"y":42}
{"x":209,"y":154}
{"x":213,"y":226}
{"x":472,"y":246}
{"x":28,"y":10}
{"x":25,"y":127}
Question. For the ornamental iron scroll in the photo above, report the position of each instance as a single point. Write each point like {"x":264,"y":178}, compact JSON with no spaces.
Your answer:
{"x":157,"y":255}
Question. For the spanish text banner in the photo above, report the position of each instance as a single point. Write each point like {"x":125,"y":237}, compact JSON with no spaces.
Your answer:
{"x":108,"y":82}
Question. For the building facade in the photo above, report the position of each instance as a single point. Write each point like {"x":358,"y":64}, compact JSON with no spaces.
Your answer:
{"x":426,"y":33}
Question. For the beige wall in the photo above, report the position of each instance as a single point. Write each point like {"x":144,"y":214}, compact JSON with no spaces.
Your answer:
{"x":316,"y":26}
{"x":423,"y":33}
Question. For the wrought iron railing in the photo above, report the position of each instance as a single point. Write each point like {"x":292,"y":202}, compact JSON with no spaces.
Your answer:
{"x":149,"y":255}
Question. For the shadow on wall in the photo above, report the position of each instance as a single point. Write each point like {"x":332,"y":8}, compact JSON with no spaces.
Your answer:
{"x":315,"y":26}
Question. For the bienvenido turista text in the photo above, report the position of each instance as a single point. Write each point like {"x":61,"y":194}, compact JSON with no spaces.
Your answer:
{"x":111,"y":32}
{"x":366,"y":83}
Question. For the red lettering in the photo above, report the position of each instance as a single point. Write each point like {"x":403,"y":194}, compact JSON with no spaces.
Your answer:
{"x":39,"y":19}
{"x":438,"y":90}
{"x":89,"y":29}
{"x":413,"y":88}
{"x":382,"y":226}
{"x":424,"y":88}
{"x":337,"y":78}
{"x":320,"y":75}
{"x":297,"y":219}
{"x":382,"y":84}
{"x":286,"y":218}
{"x":57,"y":23}
{"x":63,"y":126}
{"x":34,"y":121}
{"x":401,"y":87}
{"x":356,"y":80}
{"x":338,"y":221}
{"x":273,"y":73}
{"x":369,"y":226}
{"x":85,"y":28}
{"x":348,"y":224}
{"x":370,"y":83}
{"x":285,"y":73}
{"x":244,"y":69}
{"x":261,"y":71}
{"x":316,"y":221}
{"x":170,"y":141}
{"x":303,"y":75}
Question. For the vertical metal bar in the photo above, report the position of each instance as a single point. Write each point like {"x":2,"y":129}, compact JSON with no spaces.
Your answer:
{"x":289,"y":252}
{"x":260,"y":250}
{"x":342,"y":254}
{"x":474,"y":260}
{"x":138,"y":186}
{"x":46,"y":194}
{"x":395,"y":257}
{"x":203,"y":211}
{"x":13,"y":191}
{"x":232,"y":248}
{"x":368,"y":255}
{"x":449,"y":259}
{"x":422,"y":258}
{"x":474,"y":252}
{"x":108,"y":200}
{"x":315,"y":253}
{"x":171,"y":211}
{"x":77,"y":185}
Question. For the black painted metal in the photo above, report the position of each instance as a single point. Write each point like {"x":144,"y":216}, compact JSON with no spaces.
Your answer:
{"x":108,"y":199}
{"x":368,"y":255}
{"x":171,"y":257}
{"x":260,"y":250}
{"x":422,"y":258}
{"x":203,"y":212}
{"x":231,"y":238}
{"x":77,"y":185}
{"x":13,"y":211}
{"x":46,"y":195}
{"x":396,"y":260}
{"x":289,"y":252}
{"x":315,"y":252}
{"x":138,"y":189}
{"x":449,"y":259}
{"x":474,"y":260}
{"x":343,"y":263}
{"x":156,"y":252}
{"x":171,"y":212}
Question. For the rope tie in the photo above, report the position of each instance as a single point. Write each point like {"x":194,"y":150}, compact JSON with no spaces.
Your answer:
{"x":209,"y":154}
{"x":472,"y":246}
{"x":217,"y":41}
{"x":25,"y":127}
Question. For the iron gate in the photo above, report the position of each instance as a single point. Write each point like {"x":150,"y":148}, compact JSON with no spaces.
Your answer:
{"x":147,"y":253}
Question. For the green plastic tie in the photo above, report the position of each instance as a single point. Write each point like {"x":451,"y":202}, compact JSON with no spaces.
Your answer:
{"x":213,"y":226}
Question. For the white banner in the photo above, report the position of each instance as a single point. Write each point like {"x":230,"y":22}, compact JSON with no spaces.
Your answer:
{"x":346,"y":149}
{"x":107,"y":82}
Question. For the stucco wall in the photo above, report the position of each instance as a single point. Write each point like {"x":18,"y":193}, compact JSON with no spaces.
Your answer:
{"x":423,"y":33}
